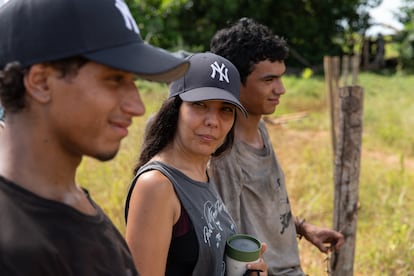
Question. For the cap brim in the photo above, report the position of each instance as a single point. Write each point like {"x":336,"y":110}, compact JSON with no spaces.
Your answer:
{"x":148,"y":62}
{"x":211,"y":93}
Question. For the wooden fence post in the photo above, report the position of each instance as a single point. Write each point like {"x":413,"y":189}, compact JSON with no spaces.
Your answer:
{"x":356,"y":59}
{"x":346,"y":129}
{"x":331,"y":68}
{"x":345,"y":66}
{"x":346,"y":177}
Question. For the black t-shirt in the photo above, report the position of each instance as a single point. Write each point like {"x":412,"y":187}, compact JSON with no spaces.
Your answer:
{"x":40,"y":237}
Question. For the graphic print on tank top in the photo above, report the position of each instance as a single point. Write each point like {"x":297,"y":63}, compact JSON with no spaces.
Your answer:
{"x":212,"y":231}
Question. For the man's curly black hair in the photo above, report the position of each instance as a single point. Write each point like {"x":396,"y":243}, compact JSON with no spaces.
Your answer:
{"x":246,"y":43}
{"x":12,"y":89}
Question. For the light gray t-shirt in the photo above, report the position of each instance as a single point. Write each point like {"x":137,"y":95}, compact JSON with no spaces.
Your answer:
{"x":252,"y":185}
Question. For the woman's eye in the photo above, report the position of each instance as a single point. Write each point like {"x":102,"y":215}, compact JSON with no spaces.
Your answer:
{"x":198,"y":104}
{"x":229,"y":109}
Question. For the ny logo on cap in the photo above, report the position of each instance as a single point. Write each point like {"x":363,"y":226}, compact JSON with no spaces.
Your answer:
{"x":126,"y":14}
{"x":222,"y":70}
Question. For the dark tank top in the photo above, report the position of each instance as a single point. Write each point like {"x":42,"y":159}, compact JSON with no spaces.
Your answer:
{"x":210,"y":224}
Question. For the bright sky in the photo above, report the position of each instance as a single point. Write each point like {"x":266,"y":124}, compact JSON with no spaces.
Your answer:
{"x":384,"y":14}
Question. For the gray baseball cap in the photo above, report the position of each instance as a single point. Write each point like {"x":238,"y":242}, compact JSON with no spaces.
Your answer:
{"x":210,"y":77}
{"x":104,"y":31}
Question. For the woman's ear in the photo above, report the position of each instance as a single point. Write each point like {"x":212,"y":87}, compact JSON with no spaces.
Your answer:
{"x":36,"y":83}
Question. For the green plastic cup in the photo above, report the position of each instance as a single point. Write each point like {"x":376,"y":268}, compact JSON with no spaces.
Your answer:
{"x":240,"y":250}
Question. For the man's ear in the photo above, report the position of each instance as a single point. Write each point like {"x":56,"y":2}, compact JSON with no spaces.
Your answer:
{"x":36,"y":82}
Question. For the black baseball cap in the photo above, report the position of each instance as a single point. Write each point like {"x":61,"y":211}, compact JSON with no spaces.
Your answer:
{"x":210,"y":77}
{"x":103,"y":31}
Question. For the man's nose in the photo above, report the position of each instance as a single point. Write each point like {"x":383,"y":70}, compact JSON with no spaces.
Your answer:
{"x":132,"y":102}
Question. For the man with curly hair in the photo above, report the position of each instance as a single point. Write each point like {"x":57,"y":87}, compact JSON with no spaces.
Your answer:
{"x":249,"y":178}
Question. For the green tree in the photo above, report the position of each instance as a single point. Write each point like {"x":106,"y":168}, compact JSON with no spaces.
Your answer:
{"x":313,"y":28}
{"x":406,"y":37}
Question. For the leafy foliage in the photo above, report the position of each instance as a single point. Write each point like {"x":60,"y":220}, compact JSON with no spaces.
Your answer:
{"x":313,"y":28}
{"x":406,"y":37}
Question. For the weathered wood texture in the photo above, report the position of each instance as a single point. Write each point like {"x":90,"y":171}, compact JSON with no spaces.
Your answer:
{"x":346,"y":176}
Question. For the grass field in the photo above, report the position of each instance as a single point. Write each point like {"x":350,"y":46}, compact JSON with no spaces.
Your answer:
{"x":385,"y":229}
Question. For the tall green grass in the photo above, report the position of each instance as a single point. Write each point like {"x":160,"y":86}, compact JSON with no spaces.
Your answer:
{"x":385,"y":229}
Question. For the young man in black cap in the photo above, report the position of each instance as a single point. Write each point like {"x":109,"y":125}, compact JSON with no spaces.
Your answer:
{"x":249,"y":178}
{"x":67,"y":72}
